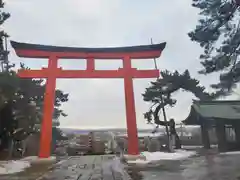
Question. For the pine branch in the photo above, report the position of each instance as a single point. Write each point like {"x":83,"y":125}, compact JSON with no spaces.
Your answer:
{"x":218,"y":20}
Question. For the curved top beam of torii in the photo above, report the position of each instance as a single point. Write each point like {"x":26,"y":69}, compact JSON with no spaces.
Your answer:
{"x":44,"y":51}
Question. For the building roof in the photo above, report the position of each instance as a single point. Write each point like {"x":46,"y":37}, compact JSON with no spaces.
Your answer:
{"x":213,"y":110}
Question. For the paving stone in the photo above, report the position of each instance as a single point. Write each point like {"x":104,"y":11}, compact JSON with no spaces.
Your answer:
{"x":84,"y":168}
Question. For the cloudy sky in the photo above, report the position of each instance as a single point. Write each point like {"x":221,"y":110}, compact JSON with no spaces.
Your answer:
{"x":108,"y":23}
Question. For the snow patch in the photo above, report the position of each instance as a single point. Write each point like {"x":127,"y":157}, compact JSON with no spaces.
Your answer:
{"x":157,"y":134}
{"x":230,"y":153}
{"x":36,"y":159}
{"x":32,"y":158}
{"x":10,"y":167}
{"x":156,"y":156}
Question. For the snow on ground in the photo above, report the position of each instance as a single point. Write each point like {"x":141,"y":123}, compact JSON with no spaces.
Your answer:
{"x":10,"y":167}
{"x":158,"y":156}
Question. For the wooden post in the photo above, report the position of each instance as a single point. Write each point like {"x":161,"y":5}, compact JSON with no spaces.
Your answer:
{"x":236,"y":126}
{"x":221,"y":135}
{"x":204,"y":133}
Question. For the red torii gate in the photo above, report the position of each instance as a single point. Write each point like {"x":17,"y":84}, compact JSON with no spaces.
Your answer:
{"x":52,"y":72}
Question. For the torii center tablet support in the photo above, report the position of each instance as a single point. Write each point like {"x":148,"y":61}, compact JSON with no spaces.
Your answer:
{"x":52,"y":72}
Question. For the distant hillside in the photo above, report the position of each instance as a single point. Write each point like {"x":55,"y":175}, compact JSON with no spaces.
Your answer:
{"x":186,"y":129}
{"x":114,"y":130}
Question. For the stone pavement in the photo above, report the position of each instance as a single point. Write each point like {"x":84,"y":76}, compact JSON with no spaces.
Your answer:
{"x":103,"y":167}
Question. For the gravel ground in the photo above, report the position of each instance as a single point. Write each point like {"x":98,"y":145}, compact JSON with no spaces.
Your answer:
{"x":200,"y":167}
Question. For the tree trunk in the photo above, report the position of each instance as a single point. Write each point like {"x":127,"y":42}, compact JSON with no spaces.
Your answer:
{"x":178,"y":144}
{"x":10,"y":149}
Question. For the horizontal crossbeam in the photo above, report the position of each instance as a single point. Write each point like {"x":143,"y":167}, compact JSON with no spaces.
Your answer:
{"x":82,"y":55}
{"x":59,"y":73}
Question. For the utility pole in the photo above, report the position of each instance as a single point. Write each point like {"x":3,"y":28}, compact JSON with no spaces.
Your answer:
{"x":163,"y":109}
{"x":6,"y":53}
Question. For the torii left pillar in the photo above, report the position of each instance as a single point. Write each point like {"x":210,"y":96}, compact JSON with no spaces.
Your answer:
{"x":52,"y":72}
{"x":130,"y":107}
{"x":49,"y":101}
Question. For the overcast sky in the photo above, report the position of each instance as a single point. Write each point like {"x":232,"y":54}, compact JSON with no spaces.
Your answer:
{"x":107,"y":23}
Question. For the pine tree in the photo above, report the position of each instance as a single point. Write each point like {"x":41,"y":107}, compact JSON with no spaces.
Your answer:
{"x":3,"y":39}
{"x":218,"y":33}
{"x":161,"y":91}
{"x":17,"y":95}
{"x":21,"y":93}
{"x":172,"y":82}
